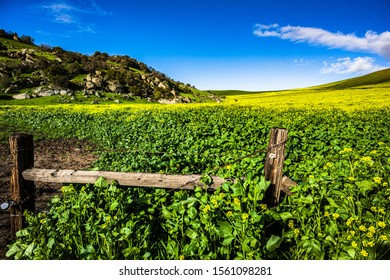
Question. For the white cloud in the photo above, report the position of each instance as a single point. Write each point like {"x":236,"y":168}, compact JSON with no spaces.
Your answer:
{"x":347,"y":65}
{"x":372,"y":42}
{"x":303,"y":62}
{"x":62,"y":12}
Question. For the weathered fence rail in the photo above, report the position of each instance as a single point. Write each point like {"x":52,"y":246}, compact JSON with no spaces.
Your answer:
{"x":24,"y":175}
{"x":187,"y":182}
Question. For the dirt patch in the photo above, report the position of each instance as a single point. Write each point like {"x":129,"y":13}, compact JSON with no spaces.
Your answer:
{"x":56,"y":154}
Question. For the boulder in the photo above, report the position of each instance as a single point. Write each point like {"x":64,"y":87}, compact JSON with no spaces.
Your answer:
{"x":162,"y":85}
{"x":97,"y":81}
{"x":48,"y":92}
{"x":115,"y":86}
{"x":89,"y":85}
{"x":21,"y":96}
{"x":64,"y":92}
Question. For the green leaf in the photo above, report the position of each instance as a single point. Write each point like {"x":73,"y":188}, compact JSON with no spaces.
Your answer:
{"x":191,"y":233}
{"x":237,"y":189}
{"x":192,"y":212}
{"x":29,"y":249}
{"x":224,"y":229}
{"x":273,"y":243}
{"x":286,"y":216}
{"x":227,"y":240}
{"x":365,"y":186}
{"x":113,"y":205}
{"x":351,"y":252}
{"x":331,"y":202}
{"x":101,"y":182}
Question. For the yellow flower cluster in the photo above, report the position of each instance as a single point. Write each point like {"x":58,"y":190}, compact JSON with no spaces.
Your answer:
{"x":382,"y":224}
{"x":377,"y":180}
{"x":349,"y":221}
{"x":366,"y":159}
{"x":206,"y":209}
{"x":362,"y":228}
{"x":291,"y":224}
{"x":346,"y":150}
{"x":363,"y":253}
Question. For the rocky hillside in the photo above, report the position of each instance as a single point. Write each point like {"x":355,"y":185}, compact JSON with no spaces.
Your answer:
{"x":30,"y":71}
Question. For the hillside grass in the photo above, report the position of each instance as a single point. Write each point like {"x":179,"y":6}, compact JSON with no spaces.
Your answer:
{"x":366,"y":92}
{"x":12,"y":44}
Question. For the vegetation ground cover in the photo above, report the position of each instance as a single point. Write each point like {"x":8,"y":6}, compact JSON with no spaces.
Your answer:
{"x":339,"y":210}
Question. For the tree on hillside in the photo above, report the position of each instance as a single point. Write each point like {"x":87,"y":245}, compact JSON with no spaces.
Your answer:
{"x":27,"y":39}
{"x":56,"y":75}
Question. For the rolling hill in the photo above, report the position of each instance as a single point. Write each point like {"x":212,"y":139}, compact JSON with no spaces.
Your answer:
{"x":28,"y":71}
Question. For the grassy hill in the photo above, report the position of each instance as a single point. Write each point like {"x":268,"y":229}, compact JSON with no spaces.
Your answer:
{"x":375,"y":78}
{"x":364,"y":92}
{"x":57,"y":76}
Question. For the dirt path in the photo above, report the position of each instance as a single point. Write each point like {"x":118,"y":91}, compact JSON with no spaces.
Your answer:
{"x":56,"y":153}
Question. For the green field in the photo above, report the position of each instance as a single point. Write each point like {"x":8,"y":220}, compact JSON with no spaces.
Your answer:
{"x":338,"y":151}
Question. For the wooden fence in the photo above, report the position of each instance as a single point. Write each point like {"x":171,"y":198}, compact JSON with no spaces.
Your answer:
{"x":24,"y":175}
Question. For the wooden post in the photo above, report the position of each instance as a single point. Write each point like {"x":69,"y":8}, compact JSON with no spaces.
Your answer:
{"x":22,"y":191}
{"x":273,"y":168}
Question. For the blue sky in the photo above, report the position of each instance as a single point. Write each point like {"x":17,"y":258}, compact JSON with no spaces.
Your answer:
{"x":240,"y":44}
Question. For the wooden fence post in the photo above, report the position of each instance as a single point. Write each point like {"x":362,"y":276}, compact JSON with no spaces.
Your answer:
{"x":273,"y":168}
{"x":22,"y":191}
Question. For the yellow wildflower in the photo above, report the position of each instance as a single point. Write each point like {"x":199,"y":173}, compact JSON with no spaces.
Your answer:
{"x":345,"y":150}
{"x":381,"y":224}
{"x":363,"y":253}
{"x":329,"y":164}
{"x":214,"y":202}
{"x":221,"y":195}
{"x":377,"y":180}
{"x":296,"y":231}
{"x":370,"y":244}
{"x":370,"y":235}
{"x":181,"y":257}
{"x":349,"y":221}
{"x":372,"y":229}
{"x":335,"y":215}
{"x":383,"y":237}
{"x":362,"y":228}
{"x":43,"y":221}
{"x":381,"y":210}
{"x":354,"y":244}
{"x":291,"y":224}
{"x":352,"y":232}
{"x":351,"y":178}
{"x":326,"y":214}
{"x":373,"y":209}
{"x":263,"y":206}
{"x":244,"y":216}
{"x":206,"y":208}
{"x":229,"y":214}
{"x":373,"y":152}
{"x":228,"y":167}
{"x":236,"y":201}
{"x":366,"y":159}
